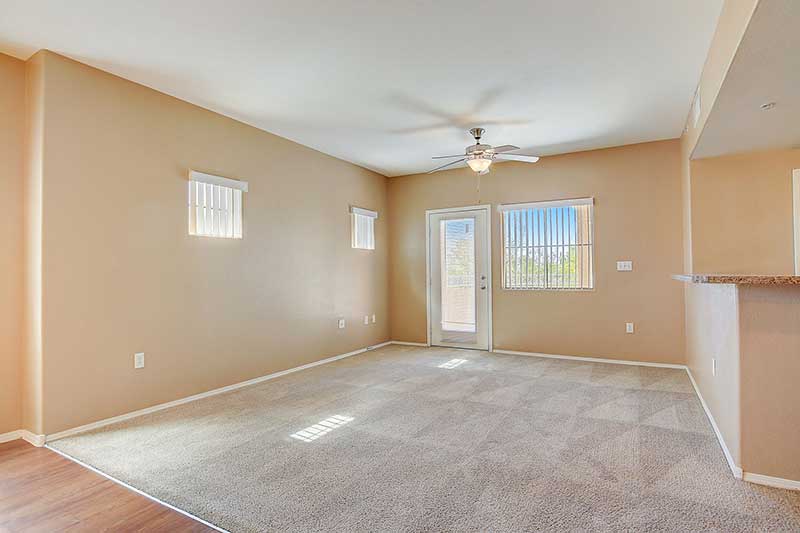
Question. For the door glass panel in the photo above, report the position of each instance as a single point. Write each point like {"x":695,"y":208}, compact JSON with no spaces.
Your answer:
{"x":457,"y":253}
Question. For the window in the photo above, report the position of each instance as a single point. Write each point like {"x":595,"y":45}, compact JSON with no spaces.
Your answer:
{"x":215,"y":206}
{"x":548,"y":245}
{"x":363,"y":228}
{"x":457,"y":253}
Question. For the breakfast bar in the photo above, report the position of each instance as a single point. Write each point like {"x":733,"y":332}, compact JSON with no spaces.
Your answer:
{"x":743,"y":352}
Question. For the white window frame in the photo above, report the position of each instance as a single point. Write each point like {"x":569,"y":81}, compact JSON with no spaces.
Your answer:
{"x":362,"y":220}
{"x":219,"y":214}
{"x":503,"y":208}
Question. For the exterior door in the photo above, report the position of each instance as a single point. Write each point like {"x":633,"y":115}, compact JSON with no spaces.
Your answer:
{"x":459,"y":281}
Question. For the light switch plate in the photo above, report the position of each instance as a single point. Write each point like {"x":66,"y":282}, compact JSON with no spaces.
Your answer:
{"x":624,"y":266}
{"x":366,"y":320}
{"x":138,"y":360}
{"x":341,"y":323}
{"x":373,"y":319}
{"x":628,"y":327}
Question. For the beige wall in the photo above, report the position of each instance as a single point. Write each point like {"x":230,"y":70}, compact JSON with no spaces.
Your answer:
{"x":12,"y":132}
{"x":770,"y":344}
{"x":121,"y":275}
{"x":730,"y":203}
{"x":742,"y":213}
{"x":686,"y":204}
{"x":712,"y":331}
{"x":637,"y":191}
{"x":33,"y":192}
{"x":731,"y":26}
{"x":738,"y":219}
{"x":741,"y":222}
{"x":754,"y":334}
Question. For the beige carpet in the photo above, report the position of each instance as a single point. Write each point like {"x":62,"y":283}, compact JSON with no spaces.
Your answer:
{"x":391,"y":440}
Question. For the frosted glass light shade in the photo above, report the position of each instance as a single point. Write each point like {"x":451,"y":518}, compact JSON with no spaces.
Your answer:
{"x":479,"y":164}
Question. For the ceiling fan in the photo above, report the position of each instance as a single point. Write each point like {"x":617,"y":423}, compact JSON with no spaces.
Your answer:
{"x":479,"y":156}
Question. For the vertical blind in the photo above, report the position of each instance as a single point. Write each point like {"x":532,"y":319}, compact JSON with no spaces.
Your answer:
{"x":363,"y":228}
{"x":548,"y":245}
{"x":215,"y":206}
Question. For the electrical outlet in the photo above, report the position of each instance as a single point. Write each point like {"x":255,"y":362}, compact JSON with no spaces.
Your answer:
{"x":366,"y":320}
{"x":628,"y":327}
{"x":138,"y":360}
{"x":713,"y":366}
{"x":373,"y":319}
{"x":624,"y":266}
{"x":341,"y":323}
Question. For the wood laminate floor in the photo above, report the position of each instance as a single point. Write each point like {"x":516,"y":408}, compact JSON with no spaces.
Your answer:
{"x":42,"y":491}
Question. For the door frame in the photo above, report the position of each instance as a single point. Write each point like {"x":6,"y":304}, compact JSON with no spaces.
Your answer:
{"x":483,"y":207}
{"x":796,"y":218}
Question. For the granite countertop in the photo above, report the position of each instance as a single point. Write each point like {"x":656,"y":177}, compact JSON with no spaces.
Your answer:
{"x":740,"y":279}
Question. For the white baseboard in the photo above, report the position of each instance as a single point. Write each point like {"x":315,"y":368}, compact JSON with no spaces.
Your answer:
{"x":404,"y":343}
{"x":107,"y":421}
{"x":11,"y":435}
{"x":40,"y":440}
{"x":32,"y":438}
{"x":770,"y":481}
{"x":373,"y":347}
{"x":134,"y":489}
{"x":590,"y":359}
{"x":195,"y":397}
{"x":737,"y":471}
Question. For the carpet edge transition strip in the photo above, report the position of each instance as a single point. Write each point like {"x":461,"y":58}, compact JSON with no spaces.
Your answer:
{"x":134,"y":489}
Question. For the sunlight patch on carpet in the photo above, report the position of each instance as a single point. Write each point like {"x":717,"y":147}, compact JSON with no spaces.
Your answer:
{"x":312,"y":433}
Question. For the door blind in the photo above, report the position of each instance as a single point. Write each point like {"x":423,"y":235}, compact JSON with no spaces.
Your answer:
{"x":457,"y":253}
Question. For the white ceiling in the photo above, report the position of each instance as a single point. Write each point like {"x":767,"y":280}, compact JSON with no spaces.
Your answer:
{"x":766,"y":69}
{"x":387,"y":85}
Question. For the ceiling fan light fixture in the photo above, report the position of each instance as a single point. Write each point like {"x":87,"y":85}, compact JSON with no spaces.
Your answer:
{"x":479,"y":163}
{"x":479,"y":156}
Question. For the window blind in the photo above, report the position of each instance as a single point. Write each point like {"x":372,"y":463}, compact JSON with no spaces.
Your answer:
{"x":363,"y":228}
{"x":548,"y":245}
{"x":215,"y":206}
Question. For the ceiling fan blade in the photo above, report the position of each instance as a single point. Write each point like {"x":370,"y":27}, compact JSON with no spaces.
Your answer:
{"x":447,"y":165}
{"x":518,"y":157}
{"x":505,"y":148}
{"x":446,"y":156}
